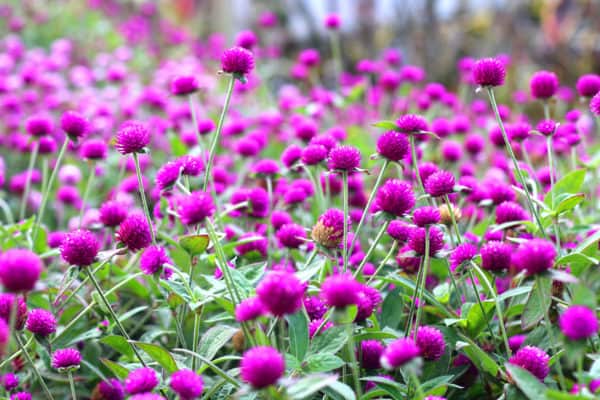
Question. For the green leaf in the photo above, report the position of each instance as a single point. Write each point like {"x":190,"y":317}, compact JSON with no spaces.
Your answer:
{"x":298,"y":331}
{"x":329,"y":341}
{"x":582,"y":295}
{"x":305,"y":387}
{"x":388,"y":125}
{"x":479,"y":357}
{"x":117,"y":369}
{"x":41,"y":243}
{"x":214,"y":339}
{"x":578,"y":262}
{"x":477,"y":318}
{"x":390,"y":315}
{"x":570,"y":202}
{"x":178,"y":148}
{"x":527,"y":383}
{"x":194,"y":244}
{"x":339,"y":390}
{"x":570,"y":183}
{"x":160,"y":355}
{"x":118,"y":343}
{"x":323,"y":362}
{"x":557,"y":395}
{"x":537,"y":304}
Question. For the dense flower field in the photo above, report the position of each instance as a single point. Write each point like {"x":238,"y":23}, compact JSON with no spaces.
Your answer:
{"x":188,"y":232}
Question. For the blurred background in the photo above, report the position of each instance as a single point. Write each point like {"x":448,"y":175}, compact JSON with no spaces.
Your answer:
{"x":561,"y":35}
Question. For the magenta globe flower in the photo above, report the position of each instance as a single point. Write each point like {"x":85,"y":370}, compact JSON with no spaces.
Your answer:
{"x":237,"y":60}
{"x":588,"y":85}
{"x":496,"y":256}
{"x":395,"y":197}
{"x":21,"y":396}
{"x":74,"y":124}
{"x":108,"y":390}
{"x":80,"y":248}
{"x":20,"y":269}
{"x":533,"y":359}
{"x":426,"y":215}
{"x":489,"y":72}
{"x":535,"y":256}
{"x":440,"y":183}
{"x":578,"y":323}
{"x":41,"y":322}
{"x":141,"y":380}
{"x":153,"y":259}
{"x":543,"y":84}
{"x":399,"y":352}
{"x":249,"y":309}
{"x":132,"y":137}
{"x":134,"y":232}
{"x":291,"y":236}
{"x":112,"y":213}
{"x":431,"y":343}
{"x":411,"y":123}
{"x":66,"y":359}
{"x":463,"y":253}
{"x":6,"y":309}
{"x":195,"y":207}
{"x":416,"y":241}
{"x":340,"y":290}
{"x":595,"y":104}
{"x":329,"y":229}
{"x":187,"y":384}
{"x":281,"y":293}
{"x":393,"y":146}
{"x":344,"y":158}
{"x":262,"y":366}
{"x":369,"y":354}
{"x":184,"y":85}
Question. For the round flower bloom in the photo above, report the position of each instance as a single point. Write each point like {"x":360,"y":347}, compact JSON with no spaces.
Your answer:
{"x":108,"y":390}
{"x":21,"y":396}
{"x":9,"y":381}
{"x":249,"y":309}
{"x":20,"y":269}
{"x":332,"y":21}
{"x":395,"y":197}
{"x":112,"y":213}
{"x":509,"y":211}
{"x":152,"y":260}
{"x":315,"y":325}
{"x":399,"y":231}
{"x":314,"y":154}
{"x":266,"y":167}
{"x":340,"y":290}
{"x":184,"y":85}
{"x":416,"y":241}
{"x":74,"y":124}
{"x":147,"y":396}
{"x":399,"y":352}
{"x":237,"y":60}
{"x":431,"y":343}
{"x":262,"y":366}
{"x":281,"y":293}
{"x":393,"y":145}
{"x":66,"y":358}
{"x":291,"y":155}
{"x":329,"y":229}
{"x":369,"y":354}
{"x":167,"y":175}
{"x":595,"y":104}
{"x":39,"y":125}
{"x":191,"y":165}
{"x":315,"y":307}
{"x":206,"y":126}
{"x":132,"y":137}
{"x":495,"y":256}
{"x":578,"y":322}
{"x":515,"y":342}
{"x":134,"y":232}
{"x":258,"y":245}
{"x":489,"y":72}
{"x":440,"y":183}
{"x":291,"y":235}
{"x":427,"y":215}
{"x":80,"y":248}
{"x":546,"y":127}
{"x":309,"y":57}
{"x":588,"y":85}
{"x":187,"y":384}
{"x":94,"y":149}
{"x":344,"y":158}
{"x":535,"y":256}
{"x":462,"y":253}
{"x":411,"y":123}
{"x":533,"y":359}
{"x":6,"y":309}
{"x":246,"y":39}
{"x":41,"y":322}
{"x":195,"y":207}
{"x":4,"y":336}
{"x":543,"y":84}
{"x":141,"y":380}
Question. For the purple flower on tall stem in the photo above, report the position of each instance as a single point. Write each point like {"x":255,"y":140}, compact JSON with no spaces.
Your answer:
{"x":262,"y":366}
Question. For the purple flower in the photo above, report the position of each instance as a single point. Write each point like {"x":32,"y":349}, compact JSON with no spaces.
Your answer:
{"x":340,"y":290}
{"x":168,"y":174}
{"x":344,"y":158}
{"x":266,"y":167}
{"x":416,"y":242}
{"x":316,"y":324}
{"x":21,"y":396}
{"x":595,"y":104}
{"x":431,"y":343}
{"x":195,"y":207}
{"x":329,"y":229}
{"x":9,"y":381}
{"x":187,"y":384}
{"x":141,"y":380}
{"x":515,"y":342}
{"x":108,"y":390}
{"x":237,"y":60}
{"x":134,"y":232}
{"x":369,"y":354}
{"x":74,"y":124}
{"x":94,"y":149}
{"x":489,"y":72}
{"x":496,"y":256}
{"x":411,"y":123}
{"x":281,"y":293}
{"x":258,"y":245}
{"x":41,"y":322}
{"x":262,"y":366}
{"x":152,"y":260}
{"x":588,"y":85}
{"x":440,"y":183}
{"x":20,"y":269}
{"x":546,"y":127}
{"x":333,"y":21}
{"x":80,"y":248}
{"x":66,"y":358}
{"x":314,"y":154}
{"x":533,"y":359}
{"x":132,"y":137}
{"x":426,"y":215}
{"x":249,"y":309}
{"x":399,"y":231}
{"x":4,"y":336}
{"x":6,"y":309}
{"x":291,"y":155}
{"x":510,"y":211}
{"x":399,"y":352}
{"x":578,"y":322}
{"x":39,"y":125}
{"x":112,"y":213}
{"x":462,"y":253}
{"x":315,"y":307}
{"x":191,"y":165}
{"x":184,"y":85}
{"x":543,"y":84}
{"x":535,"y":256}
{"x":393,"y":146}
{"x":246,"y":39}
{"x":395,"y":197}
{"x":291,"y":235}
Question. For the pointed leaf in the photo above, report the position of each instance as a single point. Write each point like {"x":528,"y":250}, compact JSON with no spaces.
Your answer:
{"x":194,"y":244}
{"x":298,"y":331}
{"x":527,"y":383}
{"x":160,"y":355}
{"x":117,"y":369}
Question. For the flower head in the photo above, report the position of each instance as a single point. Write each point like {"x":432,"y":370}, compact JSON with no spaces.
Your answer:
{"x":7,"y":306}
{"x":112,"y":213}
{"x":370,"y":353}
{"x":66,"y":358}
{"x":184,"y":85}
{"x":291,"y":235}
{"x":395,"y":197}
{"x":431,"y":343}
{"x":426,"y":215}
{"x":329,"y":229}
{"x":462,"y":253}
{"x":416,"y":242}
{"x":578,"y":322}
{"x":80,"y":248}
{"x":489,"y":72}
{"x":595,"y":104}
{"x":20,"y":269}
{"x":168,"y":174}
{"x":141,"y":380}
{"x":535,"y":256}
{"x":153,"y":259}
{"x":281,"y":293}
{"x":41,"y":322}
{"x":187,"y":384}
{"x":509,"y":211}
{"x":588,"y":85}
{"x":249,"y":309}
{"x":533,"y":359}
{"x":134,"y":232}
{"x":195,"y":207}
{"x":39,"y":125}
{"x":393,"y":145}
{"x":495,"y":256}
{"x":399,"y":352}
{"x":132,"y":137}
{"x":340,"y":290}
{"x":262,"y":366}
{"x":411,"y":123}
{"x":74,"y":124}
{"x":237,"y":60}
{"x":440,"y":183}
{"x":94,"y":149}
{"x":108,"y":390}
{"x":399,"y":231}
{"x":344,"y":158}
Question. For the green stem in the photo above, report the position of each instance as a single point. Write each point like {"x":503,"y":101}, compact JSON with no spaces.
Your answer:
{"x":415,"y":165}
{"x":113,"y":315}
{"x":138,"y":172}
{"x":72,"y":385}
{"x":453,"y":218}
{"x":353,"y":362}
{"x":345,"y":206}
{"x":310,"y":258}
{"x":269,"y":224}
{"x":515,"y":163}
{"x":478,"y":297}
{"x":423,"y":279}
{"x":29,"y":174}
{"x":217,"y":134}
{"x":196,"y":334}
{"x":336,"y":52}
{"x":195,"y":119}
{"x":371,"y":248}
{"x":46,"y":193}
{"x":552,"y":179}
{"x":88,"y":188}
{"x":35,"y":369}
{"x":220,"y":256}
{"x":383,"y":262}
{"x":367,"y":209}
{"x":413,"y":303}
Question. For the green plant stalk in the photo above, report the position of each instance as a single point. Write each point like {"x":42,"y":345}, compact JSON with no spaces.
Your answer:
{"x":345,"y":206}
{"x":196,"y":334}
{"x":371,"y":248}
{"x":478,"y":297}
{"x":367,"y":208}
{"x":413,"y":303}
{"x":36,"y":372}
{"x":215,"y":141}
{"x":113,"y":315}
{"x":88,"y":188}
{"x":46,"y":193}
{"x":195,"y":119}
{"x":32,"y":159}
{"x":551,"y":167}
{"x":511,"y":153}
{"x":72,"y":385}
{"x":353,"y":362}
{"x":383,"y":262}
{"x":424,"y":278}
{"x":453,"y":218}
{"x":269,"y":224}
{"x":235,"y":296}
{"x":336,"y":52}
{"x":15,"y":354}
{"x":138,"y":172}
{"x":310,"y":258}
{"x":415,"y":165}
{"x":419,"y":390}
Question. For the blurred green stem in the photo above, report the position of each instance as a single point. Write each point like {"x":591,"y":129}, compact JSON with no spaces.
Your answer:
{"x":138,"y":172}
{"x":345,"y":206}
{"x":28,"y":175}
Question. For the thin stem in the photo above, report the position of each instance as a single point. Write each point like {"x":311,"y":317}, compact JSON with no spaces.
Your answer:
{"x":423,"y":280}
{"x":196,"y":334}
{"x":46,"y":193}
{"x":353,"y":362}
{"x":29,"y":174}
{"x":478,"y":297}
{"x":72,"y":385}
{"x":195,"y":119}
{"x":35,"y":370}
{"x":88,"y":188}
{"x":310,"y":258}
{"x":415,"y":165}
{"x":345,"y":206}
{"x":269,"y":224}
{"x":113,"y":315}
{"x":217,"y":134}
{"x":367,"y":208}
{"x":371,"y":248}
{"x":383,"y":262}
{"x":552,"y":179}
{"x":231,"y":288}
{"x":138,"y":172}
{"x":337,"y":54}
{"x":515,"y":163}
{"x":413,"y":304}
{"x":453,"y":218}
